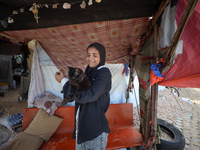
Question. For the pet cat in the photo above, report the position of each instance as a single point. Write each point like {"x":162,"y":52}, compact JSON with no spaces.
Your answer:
{"x":78,"y":82}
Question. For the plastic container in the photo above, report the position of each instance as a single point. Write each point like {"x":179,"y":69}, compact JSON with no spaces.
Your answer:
{"x":4,"y":87}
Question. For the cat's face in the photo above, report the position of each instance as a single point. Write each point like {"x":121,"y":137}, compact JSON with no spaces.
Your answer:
{"x":75,"y":74}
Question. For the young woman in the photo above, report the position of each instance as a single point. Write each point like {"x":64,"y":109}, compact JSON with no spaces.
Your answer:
{"x":91,"y":125}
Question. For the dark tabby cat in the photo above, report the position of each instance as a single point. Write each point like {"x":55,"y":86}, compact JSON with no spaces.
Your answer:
{"x":78,"y":82}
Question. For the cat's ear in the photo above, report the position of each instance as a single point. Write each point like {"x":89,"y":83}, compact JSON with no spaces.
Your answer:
{"x":70,"y":67}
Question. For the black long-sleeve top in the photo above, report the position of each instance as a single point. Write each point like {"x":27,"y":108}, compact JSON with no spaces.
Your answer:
{"x":94,"y":103}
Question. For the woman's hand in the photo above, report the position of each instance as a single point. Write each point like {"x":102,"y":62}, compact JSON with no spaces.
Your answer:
{"x":59,"y":76}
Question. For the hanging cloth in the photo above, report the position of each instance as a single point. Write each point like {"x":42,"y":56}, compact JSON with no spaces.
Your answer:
{"x":36,"y":85}
{"x":155,"y":75}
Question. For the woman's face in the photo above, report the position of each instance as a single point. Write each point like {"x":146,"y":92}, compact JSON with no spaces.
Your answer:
{"x":93,"y":57}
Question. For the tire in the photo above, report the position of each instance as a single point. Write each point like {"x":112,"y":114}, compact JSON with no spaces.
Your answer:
{"x":178,"y":142}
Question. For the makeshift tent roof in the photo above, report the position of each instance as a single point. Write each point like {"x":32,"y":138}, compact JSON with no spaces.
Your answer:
{"x":66,"y":45}
{"x":106,"y":10}
{"x":65,"y":33}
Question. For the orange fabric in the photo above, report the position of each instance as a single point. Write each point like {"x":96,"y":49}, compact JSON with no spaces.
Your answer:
{"x":183,"y":82}
{"x":154,"y":79}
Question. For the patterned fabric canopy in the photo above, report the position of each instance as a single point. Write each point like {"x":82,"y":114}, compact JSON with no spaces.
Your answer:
{"x":66,"y":45}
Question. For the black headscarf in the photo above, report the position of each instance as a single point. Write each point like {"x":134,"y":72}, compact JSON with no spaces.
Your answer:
{"x":102,"y":52}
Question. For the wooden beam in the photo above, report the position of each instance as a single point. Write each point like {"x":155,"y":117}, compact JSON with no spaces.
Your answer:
{"x":148,"y":126}
{"x":151,"y":123}
{"x":155,"y":86}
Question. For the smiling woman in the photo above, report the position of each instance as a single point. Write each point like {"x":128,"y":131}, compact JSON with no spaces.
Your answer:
{"x":93,"y":57}
{"x":91,"y":129}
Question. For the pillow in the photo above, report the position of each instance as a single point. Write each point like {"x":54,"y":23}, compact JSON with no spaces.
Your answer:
{"x":24,"y":141}
{"x":43,"y":125}
{"x":48,"y":101}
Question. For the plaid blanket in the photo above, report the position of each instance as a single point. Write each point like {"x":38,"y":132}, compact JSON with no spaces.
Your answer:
{"x":15,"y":119}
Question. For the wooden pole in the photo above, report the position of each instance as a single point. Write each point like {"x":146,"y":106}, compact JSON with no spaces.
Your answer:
{"x":130,"y":80}
{"x":155,"y":89}
{"x":151,"y":25}
{"x":155,"y":86}
{"x":147,"y":124}
{"x":151,"y":122}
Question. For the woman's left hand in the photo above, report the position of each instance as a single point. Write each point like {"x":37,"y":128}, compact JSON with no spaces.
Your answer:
{"x":59,"y":76}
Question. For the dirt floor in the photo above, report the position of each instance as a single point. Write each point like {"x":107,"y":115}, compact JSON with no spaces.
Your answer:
{"x":11,"y":102}
{"x":182,"y":111}
{"x":191,"y":118}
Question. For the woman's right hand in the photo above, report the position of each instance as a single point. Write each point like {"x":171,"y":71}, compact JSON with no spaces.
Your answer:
{"x":59,"y":76}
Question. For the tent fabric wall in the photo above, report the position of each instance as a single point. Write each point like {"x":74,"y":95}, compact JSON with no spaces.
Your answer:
{"x":168,"y":26}
{"x":119,"y":80}
{"x":188,"y":75}
{"x":119,"y":83}
{"x":118,"y":92}
{"x":142,"y":63}
{"x":185,"y":71}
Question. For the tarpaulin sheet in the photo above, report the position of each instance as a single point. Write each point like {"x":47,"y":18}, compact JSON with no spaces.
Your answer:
{"x":66,"y":45}
{"x":185,"y":72}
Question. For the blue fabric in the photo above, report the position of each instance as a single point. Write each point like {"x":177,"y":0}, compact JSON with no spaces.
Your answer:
{"x":126,"y":68}
{"x":15,"y":119}
{"x":155,"y":69}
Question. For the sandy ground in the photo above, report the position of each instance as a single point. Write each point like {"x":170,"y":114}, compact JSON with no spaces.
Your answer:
{"x":192,"y":119}
{"x":183,"y":113}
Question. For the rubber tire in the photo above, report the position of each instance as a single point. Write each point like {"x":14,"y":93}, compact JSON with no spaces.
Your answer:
{"x":178,"y":143}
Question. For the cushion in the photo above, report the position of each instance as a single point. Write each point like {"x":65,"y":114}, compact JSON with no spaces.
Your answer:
{"x":24,"y":141}
{"x":48,"y":101}
{"x":43,"y":125}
